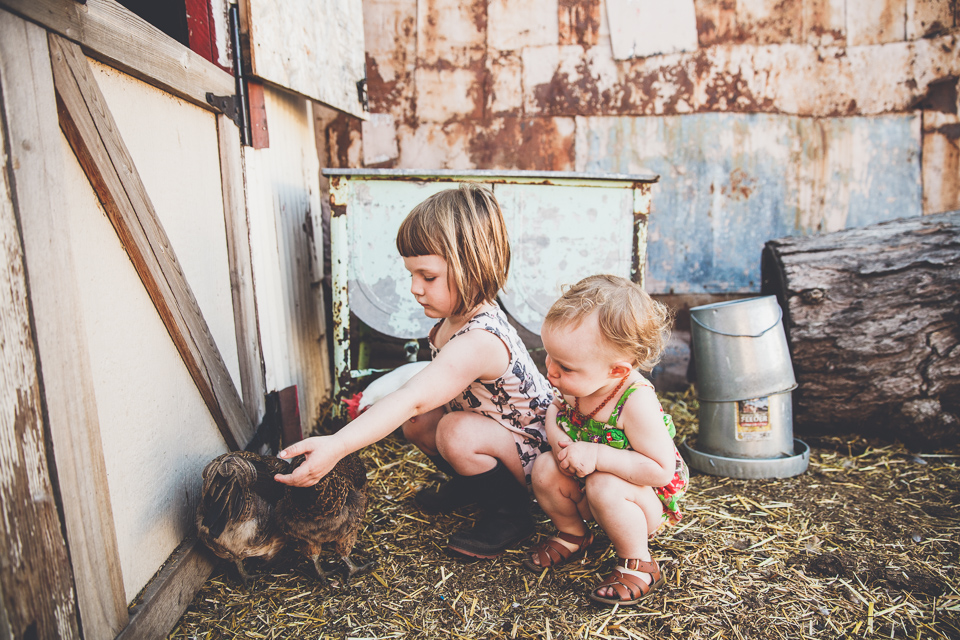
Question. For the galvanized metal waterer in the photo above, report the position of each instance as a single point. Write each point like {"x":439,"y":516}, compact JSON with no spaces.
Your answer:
{"x":744,"y":384}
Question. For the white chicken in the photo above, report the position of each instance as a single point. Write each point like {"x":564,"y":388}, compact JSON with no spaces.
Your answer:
{"x":382,"y":386}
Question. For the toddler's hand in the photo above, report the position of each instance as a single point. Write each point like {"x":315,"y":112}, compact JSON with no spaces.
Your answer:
{"x":578,"y":459}
{"x":320,"y":459}
{"x":562,"y":443}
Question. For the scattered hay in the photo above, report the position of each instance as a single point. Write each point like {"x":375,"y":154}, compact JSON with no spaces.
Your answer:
{"x":862,"y":545}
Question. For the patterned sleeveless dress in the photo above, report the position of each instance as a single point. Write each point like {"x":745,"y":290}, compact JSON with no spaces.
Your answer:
{"x":610,"y":434}
{"x":518,"y":399}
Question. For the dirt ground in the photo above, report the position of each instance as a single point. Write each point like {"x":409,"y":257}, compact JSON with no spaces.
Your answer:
{"x":864,"y":544}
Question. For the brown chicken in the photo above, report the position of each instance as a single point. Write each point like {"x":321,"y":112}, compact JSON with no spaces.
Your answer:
{"x":237,"y":514}
{"x":330,"y":511}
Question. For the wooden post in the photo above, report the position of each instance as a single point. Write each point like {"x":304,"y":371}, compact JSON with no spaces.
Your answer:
{"x":38,"y":175}
{"x":36,"y":584}
{"x":249,"y":353}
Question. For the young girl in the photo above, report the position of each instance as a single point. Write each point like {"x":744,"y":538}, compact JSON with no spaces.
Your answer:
{"x":613,"y":459}
{"x":478,"y":408}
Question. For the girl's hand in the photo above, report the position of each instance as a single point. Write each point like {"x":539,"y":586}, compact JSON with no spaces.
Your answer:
{"x":578,"y":459}
{"x":321,"y":457}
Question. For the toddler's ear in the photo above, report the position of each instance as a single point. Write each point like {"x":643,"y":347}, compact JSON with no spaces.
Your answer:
{"x":620,"y":369}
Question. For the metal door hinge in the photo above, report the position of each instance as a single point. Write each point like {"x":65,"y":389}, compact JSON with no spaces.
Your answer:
{"x":228,"y":105}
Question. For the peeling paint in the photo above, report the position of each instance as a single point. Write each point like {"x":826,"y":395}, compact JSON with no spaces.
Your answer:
{"x":592,"y":221}
{"x":579,"y":21}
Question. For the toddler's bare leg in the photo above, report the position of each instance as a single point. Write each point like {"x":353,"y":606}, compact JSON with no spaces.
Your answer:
{"x":559,"y":495}
{"x":628,"y":514}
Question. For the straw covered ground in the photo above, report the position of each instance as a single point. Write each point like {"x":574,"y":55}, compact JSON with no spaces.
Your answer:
{"x":863,"y":545}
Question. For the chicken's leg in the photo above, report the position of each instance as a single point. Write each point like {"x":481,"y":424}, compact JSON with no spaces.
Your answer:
{"x":316,"y":565}
{"x":352,"y":569}
{"x":244,"y":576}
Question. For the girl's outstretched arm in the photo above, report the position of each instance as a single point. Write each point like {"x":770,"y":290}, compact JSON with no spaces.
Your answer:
{"x":473,"y":355}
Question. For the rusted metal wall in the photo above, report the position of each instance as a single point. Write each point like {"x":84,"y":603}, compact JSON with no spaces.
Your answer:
{"x":785,"y":117}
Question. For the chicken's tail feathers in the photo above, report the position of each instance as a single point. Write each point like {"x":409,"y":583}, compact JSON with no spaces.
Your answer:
{"x":224,"y":482}
{"x":221,"y":504}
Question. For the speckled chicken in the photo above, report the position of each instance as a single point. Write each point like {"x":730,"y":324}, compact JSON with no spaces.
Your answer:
{"x":237,"y":514}
{"x":330,"y":511}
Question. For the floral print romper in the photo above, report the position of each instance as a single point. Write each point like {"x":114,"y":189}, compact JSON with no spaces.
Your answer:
{"x":609,"y":434}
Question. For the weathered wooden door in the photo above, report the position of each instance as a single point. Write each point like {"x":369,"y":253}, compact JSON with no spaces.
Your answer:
{"x":140,"y":354}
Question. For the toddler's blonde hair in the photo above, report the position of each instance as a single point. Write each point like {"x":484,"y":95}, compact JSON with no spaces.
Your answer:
{"x":465,"y":227}
{"x":632,"y":322}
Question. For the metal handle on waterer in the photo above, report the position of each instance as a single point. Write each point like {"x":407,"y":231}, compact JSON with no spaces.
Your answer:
{"x":741,"y":335}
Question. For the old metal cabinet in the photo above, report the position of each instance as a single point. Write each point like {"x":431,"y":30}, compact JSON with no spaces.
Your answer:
{"x":562,"y":227}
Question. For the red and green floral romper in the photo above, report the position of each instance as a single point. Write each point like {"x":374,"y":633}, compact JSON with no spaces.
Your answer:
{"x":609,"y":434}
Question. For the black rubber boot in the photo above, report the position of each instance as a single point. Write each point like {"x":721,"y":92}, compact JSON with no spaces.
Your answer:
{"x":505,"y":519}
{"x":450,"y":496}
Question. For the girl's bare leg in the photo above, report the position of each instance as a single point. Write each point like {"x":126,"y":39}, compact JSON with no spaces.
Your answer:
{"x":559,"y":495}
{"x":628,"y":514}
{"x":472,"y":444}
{"x":422,"y":430}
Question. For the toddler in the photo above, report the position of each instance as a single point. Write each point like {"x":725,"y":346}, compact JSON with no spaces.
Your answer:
{"x":614,"y":460}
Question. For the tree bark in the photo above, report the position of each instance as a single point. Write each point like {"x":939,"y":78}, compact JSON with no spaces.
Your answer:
{"x":872,"y":317}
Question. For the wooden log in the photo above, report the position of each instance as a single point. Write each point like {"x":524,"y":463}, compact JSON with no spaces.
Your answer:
{"x":872,"y":317}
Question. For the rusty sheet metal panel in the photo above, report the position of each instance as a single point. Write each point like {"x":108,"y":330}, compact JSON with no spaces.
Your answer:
{"x":640,"y":28}
{"x":789,"y":78}
{"x":732,"y":181}
{"x":563,"y":226}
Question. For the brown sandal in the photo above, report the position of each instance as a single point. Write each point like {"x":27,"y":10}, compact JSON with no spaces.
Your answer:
{"x":551,"y":553}
{"x":628,"y":585}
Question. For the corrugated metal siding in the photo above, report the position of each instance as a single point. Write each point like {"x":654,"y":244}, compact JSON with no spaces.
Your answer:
{"x":283,"y":201}
{"x":835,"y":88}
{"x":729,"y":182}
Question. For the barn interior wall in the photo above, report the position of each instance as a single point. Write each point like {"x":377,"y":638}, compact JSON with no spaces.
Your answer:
{"x":156,"y":430}
{"x":839,"y":93}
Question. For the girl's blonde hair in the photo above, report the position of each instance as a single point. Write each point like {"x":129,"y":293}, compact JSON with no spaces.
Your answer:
{"x":465,"y":227}
{"x":630,"y":320}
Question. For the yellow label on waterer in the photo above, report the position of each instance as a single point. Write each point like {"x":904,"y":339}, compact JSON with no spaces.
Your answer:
{"x":753,"y":419}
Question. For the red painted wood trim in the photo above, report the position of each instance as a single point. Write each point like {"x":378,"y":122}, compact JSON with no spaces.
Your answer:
{"x":258,"y":116}
{"x":202,"y":31}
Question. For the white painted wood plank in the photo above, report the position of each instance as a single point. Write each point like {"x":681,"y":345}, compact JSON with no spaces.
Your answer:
{"x":252,"y":381}
{"x":110,"y":33}
{"x":36,"y":582}
{"x":283,"y":201}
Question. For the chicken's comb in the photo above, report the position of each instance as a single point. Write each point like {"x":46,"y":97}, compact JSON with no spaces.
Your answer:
{"x":353,"y":405}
